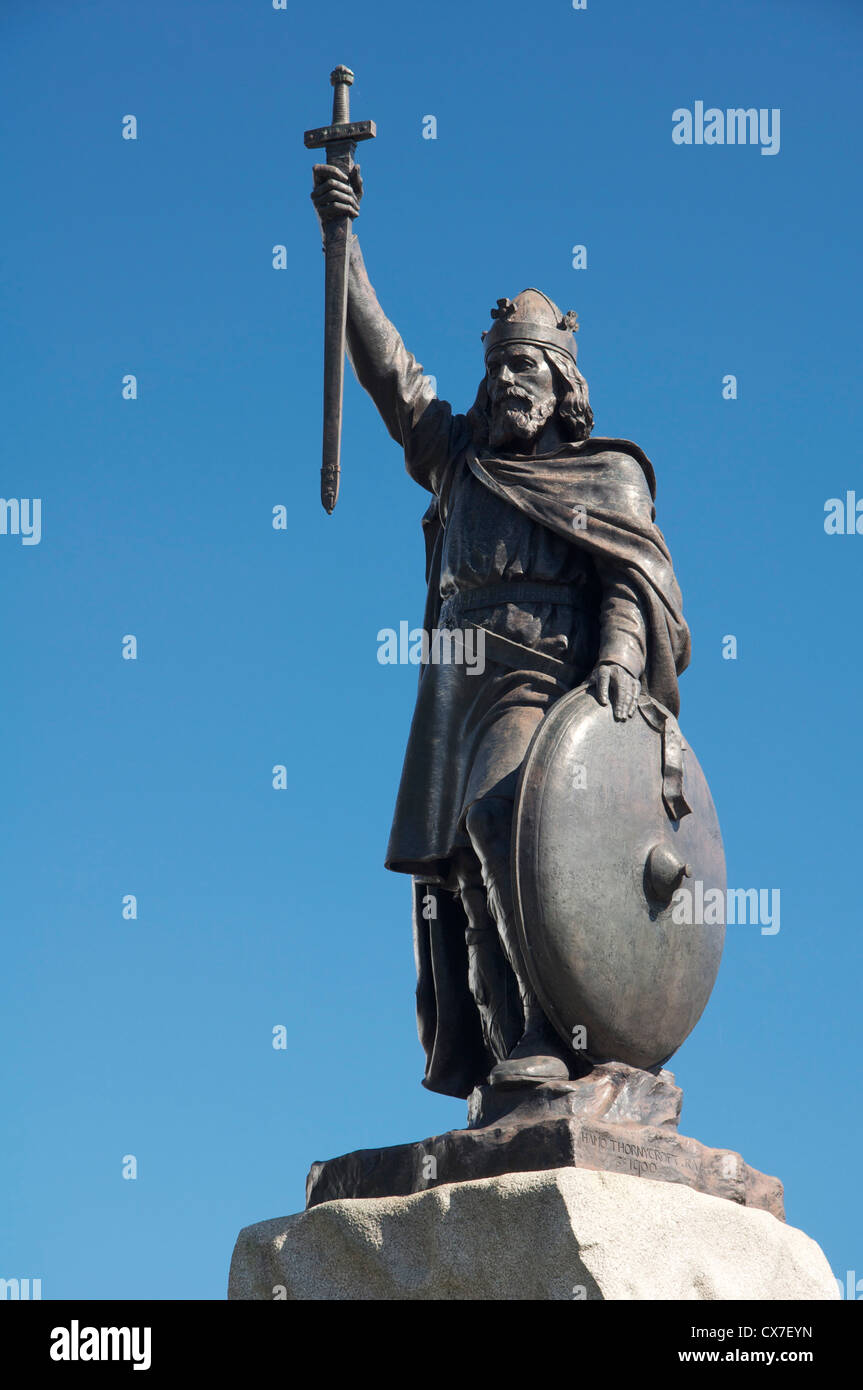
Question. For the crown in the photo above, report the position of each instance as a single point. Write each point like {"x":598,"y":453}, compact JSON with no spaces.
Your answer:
{"x":531,"y":318}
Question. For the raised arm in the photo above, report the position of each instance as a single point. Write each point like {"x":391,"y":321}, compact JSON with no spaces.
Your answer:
{"x":405,"y":397}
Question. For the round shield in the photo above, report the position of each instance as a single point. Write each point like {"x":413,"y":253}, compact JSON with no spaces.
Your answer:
{"x":619,"y":879}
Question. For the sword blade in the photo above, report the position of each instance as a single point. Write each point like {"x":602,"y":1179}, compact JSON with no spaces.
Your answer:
{"x":336,"y":235}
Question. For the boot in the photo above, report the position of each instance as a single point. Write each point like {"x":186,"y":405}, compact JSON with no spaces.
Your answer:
{"x":539,"y":1055}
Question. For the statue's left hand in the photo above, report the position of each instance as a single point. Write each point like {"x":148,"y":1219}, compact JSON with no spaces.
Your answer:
{"x":609,"y":680}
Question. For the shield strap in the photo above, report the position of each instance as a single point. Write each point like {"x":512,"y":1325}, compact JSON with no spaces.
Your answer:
{"x":665,"y":724}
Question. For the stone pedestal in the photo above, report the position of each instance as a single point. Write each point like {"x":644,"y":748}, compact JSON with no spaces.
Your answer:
{"x":565,"y":1234}
{"x":617,"y":1119}
{"x":572,"y":1190}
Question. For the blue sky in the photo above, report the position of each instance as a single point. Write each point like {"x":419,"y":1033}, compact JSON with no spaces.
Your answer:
{"x":152,"y":777}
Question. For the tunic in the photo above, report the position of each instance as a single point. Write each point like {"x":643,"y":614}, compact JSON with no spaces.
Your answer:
{"x":470,"y":731}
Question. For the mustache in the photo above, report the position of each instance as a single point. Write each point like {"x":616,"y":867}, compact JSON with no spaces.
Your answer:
{"x":511,"y":395}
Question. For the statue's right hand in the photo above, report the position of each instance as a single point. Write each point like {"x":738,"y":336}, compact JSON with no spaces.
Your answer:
{"x":336,"y":194}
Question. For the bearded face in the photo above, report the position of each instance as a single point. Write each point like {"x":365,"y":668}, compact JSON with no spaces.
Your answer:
{"x":521,"y":395}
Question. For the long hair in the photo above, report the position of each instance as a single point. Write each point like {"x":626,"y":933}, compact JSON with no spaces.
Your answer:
{"x":573,"y":403}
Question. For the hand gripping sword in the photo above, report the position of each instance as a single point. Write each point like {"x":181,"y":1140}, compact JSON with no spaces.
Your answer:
{"x":340,"y":140}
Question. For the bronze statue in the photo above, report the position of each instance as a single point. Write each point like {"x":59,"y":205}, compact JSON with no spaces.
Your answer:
{"x":540,"y":540}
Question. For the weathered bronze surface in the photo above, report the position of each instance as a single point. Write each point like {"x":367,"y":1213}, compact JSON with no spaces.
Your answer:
{"x":603,"y":838}
{"x":619,"y":1120}
{"x":543,"y":924}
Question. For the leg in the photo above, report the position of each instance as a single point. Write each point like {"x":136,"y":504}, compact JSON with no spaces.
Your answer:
{"x":491,"y":980}
{"x":540,"y":1055}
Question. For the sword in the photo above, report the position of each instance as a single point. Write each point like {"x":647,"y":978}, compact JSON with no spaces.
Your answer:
{"x":340,"y":140}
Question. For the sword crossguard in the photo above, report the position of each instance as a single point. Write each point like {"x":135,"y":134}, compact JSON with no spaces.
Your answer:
{"x":342,"y":127}
{"x":332,"y":134}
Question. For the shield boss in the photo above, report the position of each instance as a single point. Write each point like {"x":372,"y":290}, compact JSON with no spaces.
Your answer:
{"x":611,"y":819}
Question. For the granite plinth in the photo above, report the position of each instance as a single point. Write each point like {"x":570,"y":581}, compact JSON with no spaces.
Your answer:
{"x":567,"y":1234}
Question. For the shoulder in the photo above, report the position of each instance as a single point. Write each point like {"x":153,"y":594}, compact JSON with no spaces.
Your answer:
{"x":431,"y":442}
{"x":626,"y":460}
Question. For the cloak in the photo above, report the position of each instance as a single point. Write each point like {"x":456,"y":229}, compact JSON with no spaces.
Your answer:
{"x":612,"y":480}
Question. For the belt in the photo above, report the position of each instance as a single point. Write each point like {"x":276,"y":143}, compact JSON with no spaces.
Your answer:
{"x":493,"y":595}
{"x":503,"y":649}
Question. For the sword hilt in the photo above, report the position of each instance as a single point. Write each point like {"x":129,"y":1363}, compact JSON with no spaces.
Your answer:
{"x":343,"y":130}
{"x":341,"y":78}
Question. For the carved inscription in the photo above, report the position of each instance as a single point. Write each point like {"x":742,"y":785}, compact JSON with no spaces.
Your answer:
{"x":641,"y":1159}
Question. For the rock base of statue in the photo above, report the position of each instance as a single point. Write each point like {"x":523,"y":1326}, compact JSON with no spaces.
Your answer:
{"x":565,"y":1234}
{"x":617,"y":1119}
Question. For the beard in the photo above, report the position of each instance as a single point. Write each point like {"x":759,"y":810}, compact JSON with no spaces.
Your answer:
{"x":517,"y":420}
